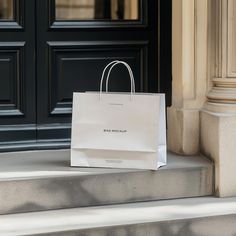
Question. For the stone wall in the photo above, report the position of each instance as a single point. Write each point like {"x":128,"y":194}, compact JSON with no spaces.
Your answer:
{"x":203,"y":115}
{"x":189,"y":62}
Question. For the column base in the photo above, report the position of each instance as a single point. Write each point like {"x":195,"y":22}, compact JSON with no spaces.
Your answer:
{"x":218,"y":141}
{"x":183,"y":131}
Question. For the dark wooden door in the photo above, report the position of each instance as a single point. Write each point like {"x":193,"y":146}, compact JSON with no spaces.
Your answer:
{"x":73,"y":48}
{"x":17,"y":73}
{"x":51,"y":48}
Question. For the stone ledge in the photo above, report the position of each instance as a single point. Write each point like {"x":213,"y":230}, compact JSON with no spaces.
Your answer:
{"x":43,"y":180}
{"x":196,"y":216}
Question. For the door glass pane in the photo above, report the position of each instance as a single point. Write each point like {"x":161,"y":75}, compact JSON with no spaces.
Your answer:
{"x":97,"y":9}
{"x":6,"y":10}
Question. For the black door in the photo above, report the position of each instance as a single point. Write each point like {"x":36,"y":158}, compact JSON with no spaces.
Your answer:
{"x":62,"y":48}
{"x":17,"y":72}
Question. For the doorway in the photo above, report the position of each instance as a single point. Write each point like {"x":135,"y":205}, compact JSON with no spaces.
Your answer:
{"x":50,"y":48}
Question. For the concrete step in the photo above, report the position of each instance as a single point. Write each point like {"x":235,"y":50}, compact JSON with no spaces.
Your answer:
{"x":43,"y":180}
{"x":206,"y":216}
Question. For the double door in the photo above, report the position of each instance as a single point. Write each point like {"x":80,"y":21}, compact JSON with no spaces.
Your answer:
{"x":50,"y":48}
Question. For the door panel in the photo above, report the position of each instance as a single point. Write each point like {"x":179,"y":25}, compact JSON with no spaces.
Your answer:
{"x":17,"y":70}
{"x":11,"y":83}
{"x":71,"y":65}
{"x":97,"y":10}
{"x":70,"y":14}
{"x":72,"y":54}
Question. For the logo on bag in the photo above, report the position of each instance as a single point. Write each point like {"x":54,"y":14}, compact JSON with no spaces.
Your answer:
{"x":114,"y":130}
{"x":116,"y":104}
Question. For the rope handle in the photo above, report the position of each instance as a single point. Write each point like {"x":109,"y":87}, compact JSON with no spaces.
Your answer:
{"x":112,"y":65}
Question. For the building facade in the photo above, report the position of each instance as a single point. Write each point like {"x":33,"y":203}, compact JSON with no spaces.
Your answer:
{"x":202,"y":116}
{"x":51,"y":48}
{"x":48,"y":48}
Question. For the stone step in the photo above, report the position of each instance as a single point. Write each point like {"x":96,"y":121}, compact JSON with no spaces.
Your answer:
{"x":43,"y":180}
{"x":206,"y":216}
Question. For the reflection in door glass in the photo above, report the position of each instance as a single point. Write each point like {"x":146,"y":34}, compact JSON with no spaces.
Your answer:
{"x":97,"y":9}
{"x":6,"y":10}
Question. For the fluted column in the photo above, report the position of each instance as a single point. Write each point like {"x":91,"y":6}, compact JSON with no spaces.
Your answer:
{"x":218,"y":118}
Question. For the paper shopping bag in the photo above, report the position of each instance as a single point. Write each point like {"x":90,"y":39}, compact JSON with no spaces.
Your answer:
{"x":118,"y":130}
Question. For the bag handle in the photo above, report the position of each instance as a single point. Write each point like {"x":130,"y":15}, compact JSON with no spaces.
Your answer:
{"x":112,"y":65}
{"x":103,"y":73}
{"x":130,"y":74}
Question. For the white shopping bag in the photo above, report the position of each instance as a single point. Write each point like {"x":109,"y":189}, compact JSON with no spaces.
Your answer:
{"x":118,"y":130}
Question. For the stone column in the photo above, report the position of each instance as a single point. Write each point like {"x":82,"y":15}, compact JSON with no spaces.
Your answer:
{"x":189,"y":62}
{"x":218,"y":118}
